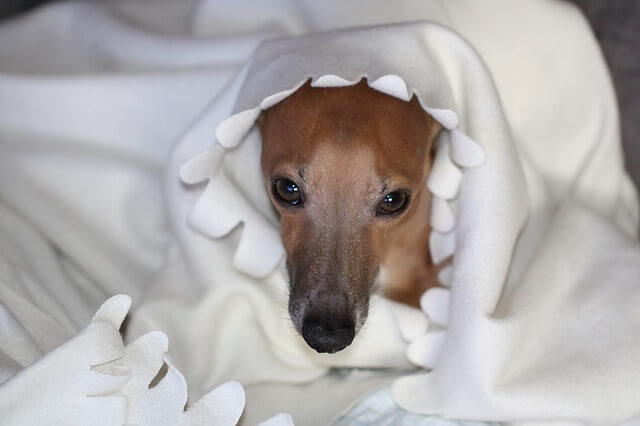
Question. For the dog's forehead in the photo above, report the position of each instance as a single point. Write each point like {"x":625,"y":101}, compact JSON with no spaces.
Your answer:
{"x":353,"y":106}
{"x":352,"y":168}
{"x":348,"y":120}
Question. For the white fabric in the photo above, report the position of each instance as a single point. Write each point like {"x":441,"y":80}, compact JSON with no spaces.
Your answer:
{"x":94,"y":97}
{"x":235,"y":193}
{"x":93,"y":378}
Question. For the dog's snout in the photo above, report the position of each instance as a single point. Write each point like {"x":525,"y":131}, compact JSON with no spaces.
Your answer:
{"x":324,"y":337}
{"x":328,"y":324}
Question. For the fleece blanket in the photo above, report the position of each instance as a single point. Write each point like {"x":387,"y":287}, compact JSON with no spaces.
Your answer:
{"x":128,"y":165}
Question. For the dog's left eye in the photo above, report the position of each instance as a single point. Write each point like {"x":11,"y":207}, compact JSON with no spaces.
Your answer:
{"x":393,"y":203}
{"x":287,"y":191}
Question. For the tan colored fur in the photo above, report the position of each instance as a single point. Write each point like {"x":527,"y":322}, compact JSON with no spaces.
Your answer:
{"x":347,"y":147}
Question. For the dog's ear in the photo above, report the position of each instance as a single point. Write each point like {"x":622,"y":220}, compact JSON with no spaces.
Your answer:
{"x":435,"y":129}
{"x":434,"y":126}
{"x":260,"y":119}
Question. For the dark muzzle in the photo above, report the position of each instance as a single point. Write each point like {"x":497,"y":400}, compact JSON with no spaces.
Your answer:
{"x":328,"y":325}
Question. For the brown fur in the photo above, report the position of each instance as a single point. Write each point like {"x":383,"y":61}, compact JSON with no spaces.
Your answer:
{"x":346,"y":148}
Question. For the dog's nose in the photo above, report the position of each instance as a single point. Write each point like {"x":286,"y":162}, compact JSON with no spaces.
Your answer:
{"x":325,"y":337}
{"x":328,"y":326}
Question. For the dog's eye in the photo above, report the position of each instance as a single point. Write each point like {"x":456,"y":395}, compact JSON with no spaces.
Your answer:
{"x":287,"y":191}
{"x":392,"y":203}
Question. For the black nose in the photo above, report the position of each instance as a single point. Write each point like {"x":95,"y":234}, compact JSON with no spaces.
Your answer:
{"x":328,"y":324}
{"x":326,"y":336}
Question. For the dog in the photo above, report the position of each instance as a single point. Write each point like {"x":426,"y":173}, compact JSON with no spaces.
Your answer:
{"x":345,"y":167}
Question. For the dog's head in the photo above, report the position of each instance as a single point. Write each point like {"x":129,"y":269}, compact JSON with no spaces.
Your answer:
{"x":344,"y":167}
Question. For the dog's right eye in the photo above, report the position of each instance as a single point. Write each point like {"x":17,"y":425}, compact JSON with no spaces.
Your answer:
{"x":287,"y":191}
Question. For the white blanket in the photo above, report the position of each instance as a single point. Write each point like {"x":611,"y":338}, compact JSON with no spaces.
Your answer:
{"x":93,"y":97}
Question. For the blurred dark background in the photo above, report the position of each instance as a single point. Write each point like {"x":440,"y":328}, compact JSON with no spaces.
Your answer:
{"x":616,"y":24}
{"x":13,"y":7}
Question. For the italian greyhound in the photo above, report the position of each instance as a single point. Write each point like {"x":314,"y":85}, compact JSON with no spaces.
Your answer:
{"x":345,"y":168}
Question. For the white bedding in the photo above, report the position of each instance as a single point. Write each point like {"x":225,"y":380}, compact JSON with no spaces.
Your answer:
{"x":102,"y":103}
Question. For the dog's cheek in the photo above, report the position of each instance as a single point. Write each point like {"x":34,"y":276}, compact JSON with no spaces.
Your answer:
{"x":379,"y":237}
{"x":292,"y":230}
